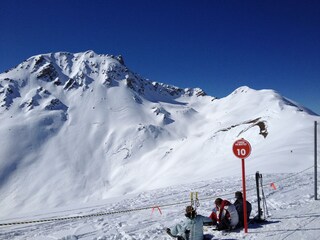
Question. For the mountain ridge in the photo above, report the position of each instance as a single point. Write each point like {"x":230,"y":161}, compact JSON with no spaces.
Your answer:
{"x":83,"y":127}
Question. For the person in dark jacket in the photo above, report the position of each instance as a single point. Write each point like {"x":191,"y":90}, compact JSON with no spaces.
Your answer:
{"x":239,"y":206}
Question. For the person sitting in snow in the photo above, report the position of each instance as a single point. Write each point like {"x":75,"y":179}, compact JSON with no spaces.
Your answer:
{"x":239,"y":206}
{"x":225,"y":215}
{"x":191,"y":228}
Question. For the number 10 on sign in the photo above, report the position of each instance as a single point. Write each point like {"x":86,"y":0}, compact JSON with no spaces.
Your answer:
{"x":241,"y":152}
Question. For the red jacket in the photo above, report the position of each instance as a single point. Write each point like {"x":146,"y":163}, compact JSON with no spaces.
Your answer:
{"x":226,"y":210}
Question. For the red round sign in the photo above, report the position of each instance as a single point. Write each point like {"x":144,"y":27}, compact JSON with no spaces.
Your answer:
{"x":241,"y":148}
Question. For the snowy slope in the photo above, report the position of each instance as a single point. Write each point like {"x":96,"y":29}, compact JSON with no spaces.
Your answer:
{"x":293,"y":213}
{"x":82,"y":127}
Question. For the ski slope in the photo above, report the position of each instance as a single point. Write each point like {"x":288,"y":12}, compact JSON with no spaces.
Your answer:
{"x":293,"y":212}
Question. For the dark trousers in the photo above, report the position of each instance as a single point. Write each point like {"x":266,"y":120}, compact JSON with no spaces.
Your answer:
{"x":224,"y":224}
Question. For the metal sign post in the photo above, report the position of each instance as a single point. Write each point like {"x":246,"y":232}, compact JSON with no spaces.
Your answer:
{"x":242,"y":149}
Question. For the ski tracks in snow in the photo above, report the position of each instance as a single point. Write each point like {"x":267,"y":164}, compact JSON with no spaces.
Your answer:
{"x":295,"y":215}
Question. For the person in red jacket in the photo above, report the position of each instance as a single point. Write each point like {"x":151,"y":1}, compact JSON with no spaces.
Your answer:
{"x":225,"y":215}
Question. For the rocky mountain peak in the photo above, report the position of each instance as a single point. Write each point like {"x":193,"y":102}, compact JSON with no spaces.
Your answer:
{"x":66,"y":72}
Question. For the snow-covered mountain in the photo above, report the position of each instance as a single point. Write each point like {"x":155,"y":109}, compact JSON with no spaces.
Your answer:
{"x":83,"y":127}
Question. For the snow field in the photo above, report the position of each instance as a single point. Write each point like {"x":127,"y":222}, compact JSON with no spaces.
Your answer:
{"x":293,"y":212}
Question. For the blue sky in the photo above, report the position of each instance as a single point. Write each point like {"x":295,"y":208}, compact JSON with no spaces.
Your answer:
{"x":217,"y":45}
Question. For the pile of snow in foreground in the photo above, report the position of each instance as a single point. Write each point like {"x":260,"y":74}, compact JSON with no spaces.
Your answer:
{"x":294,"y":214}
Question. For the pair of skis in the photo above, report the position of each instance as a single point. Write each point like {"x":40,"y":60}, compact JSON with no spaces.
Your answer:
{"x":263,"y":213}
{"x":195,"y":203}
